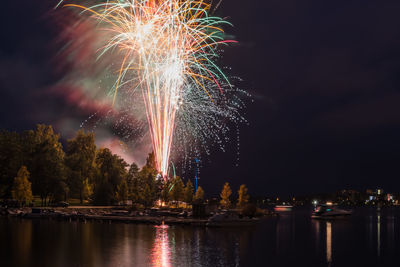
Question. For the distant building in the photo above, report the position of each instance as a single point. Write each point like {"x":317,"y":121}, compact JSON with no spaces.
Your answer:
{"x":378,"y":197}
{"x":349,"y":197}
{"x":389,"y":197}
{"x":379,"y":191}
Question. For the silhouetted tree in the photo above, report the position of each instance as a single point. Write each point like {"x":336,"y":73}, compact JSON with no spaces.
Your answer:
{"x":11,"y":159}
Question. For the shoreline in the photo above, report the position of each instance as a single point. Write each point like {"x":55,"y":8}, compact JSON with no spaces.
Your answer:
{"x":104,"y":214}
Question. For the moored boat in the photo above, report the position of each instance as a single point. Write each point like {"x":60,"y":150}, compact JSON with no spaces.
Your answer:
{"x":329,"y":212}
{"x":280,"y":208}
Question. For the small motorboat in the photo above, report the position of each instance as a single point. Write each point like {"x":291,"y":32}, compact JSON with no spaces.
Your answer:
{"x":329,"y":212}
{"x":281,"y":208}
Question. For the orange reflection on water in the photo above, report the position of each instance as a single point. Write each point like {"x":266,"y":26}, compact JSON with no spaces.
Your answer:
{"x":328,"y":242}
{"x":160,"y":256}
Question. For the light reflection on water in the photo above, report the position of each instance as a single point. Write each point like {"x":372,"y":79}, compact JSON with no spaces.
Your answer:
{"x":161,"y":253}
{"x":329,"y":243}
{"x":378,"y":243}
{"x":369,"y":238}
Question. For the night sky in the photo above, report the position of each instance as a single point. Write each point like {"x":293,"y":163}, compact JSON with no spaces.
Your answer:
{"x":323,"y":75}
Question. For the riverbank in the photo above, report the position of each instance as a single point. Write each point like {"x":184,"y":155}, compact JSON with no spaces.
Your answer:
{"x":120,"y":215}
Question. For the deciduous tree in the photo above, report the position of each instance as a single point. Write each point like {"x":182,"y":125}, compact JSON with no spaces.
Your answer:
{"x":199,"y":196}
{"x":122,"y":192}
{"x":188,"y":192}
{"x":243,"y":196}
{"x":48,"y":168}
{"x":165,"y":196}
{"x":225,"y":195}
{"x":111,"y":173}
{"x":87,"y":188}
{"x":149,"y":185}
{"x":176,"y":193}
{"x":80,"y":160}
{"x":21,"y":190}
{"x":147,"y":199}
{"x":133,"y":183}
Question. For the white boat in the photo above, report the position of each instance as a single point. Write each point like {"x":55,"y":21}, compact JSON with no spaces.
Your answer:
{"x":329,"y":212}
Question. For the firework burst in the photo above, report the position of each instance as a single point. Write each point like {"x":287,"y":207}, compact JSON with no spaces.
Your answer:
{"x":169,"y":49}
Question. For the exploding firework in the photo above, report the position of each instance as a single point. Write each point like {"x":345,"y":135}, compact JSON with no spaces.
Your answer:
{"x":169,"y":49}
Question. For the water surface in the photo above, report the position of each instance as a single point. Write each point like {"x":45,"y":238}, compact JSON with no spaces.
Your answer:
{"x":368,"y":238}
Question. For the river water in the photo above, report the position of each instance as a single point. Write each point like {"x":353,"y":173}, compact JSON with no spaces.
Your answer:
{"x":368,"y":238}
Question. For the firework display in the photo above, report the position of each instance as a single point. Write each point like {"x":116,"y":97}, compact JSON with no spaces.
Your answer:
{"x":169,"y":50}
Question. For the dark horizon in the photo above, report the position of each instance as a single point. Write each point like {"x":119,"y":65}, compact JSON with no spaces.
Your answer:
{"x":324,"y":78}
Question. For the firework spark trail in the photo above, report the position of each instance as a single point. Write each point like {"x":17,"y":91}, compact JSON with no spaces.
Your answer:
{"x":169,"y":48}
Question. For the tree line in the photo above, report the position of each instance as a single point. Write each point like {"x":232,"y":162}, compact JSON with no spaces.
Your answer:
{"x":243,"y":196}
{"x":34,"y":163}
